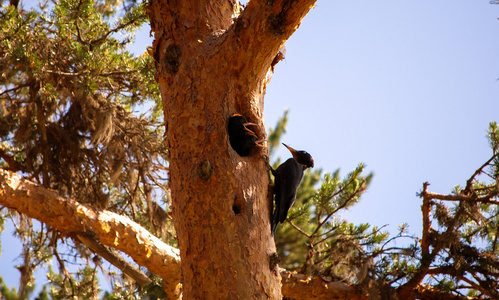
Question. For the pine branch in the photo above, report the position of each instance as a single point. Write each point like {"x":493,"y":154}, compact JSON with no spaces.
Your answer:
{"x":299,"y":229}
{"x":425,"y":208}
{"x":102,"y":38}
{"x":13,"y":164}
{"x":407,"y":290}
{"x":114,"y":258}
{"x":469,"y":183}
{"x":13,"y":89}
{"x":464,"y":198}
{"x":72,"y":218}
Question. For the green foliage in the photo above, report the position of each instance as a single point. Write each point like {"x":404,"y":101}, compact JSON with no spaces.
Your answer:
{"x":462,"y":254}
{"x":44,"y":295}
{"x":275,"y":134}
{"x":81,"y":115}
{"x":152,"y":291}
{"x":8,"y":294}
{"x":464,"y":245}
{"x":82,"y":286}
{"x":493,"y":136}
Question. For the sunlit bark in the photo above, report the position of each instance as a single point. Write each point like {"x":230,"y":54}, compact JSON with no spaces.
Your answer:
{"x":73,"y":219}
{"x":213,"y":59}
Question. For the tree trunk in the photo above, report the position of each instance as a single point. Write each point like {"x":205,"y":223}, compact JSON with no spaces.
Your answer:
{"x":213,"y":61}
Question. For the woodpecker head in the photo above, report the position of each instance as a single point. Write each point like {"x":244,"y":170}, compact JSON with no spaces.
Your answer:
{"x":302,"y":157}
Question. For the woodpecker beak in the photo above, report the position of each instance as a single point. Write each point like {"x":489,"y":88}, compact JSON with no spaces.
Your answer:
{"x":293,"y":151}
{"x":302,"y":157}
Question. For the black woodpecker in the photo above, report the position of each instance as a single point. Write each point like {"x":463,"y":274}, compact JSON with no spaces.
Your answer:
{"x":241,"y":138}
{"x":287,"y":178}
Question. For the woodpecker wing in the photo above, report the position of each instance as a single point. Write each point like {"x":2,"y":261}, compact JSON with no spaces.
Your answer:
{"x":287,"y":178}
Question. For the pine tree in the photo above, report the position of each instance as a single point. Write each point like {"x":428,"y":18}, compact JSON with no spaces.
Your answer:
{"x":81,"y":120}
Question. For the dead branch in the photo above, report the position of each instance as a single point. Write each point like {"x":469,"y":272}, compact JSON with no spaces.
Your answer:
{"x":481,"y":199}
{"x":114,"y":258}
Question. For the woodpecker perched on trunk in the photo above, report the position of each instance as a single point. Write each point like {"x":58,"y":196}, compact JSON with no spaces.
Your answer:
{"x":241,"y":138}
{"x":287,"y":178}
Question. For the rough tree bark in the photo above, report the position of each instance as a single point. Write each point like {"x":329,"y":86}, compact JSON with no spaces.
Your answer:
{"x":212,"y":60}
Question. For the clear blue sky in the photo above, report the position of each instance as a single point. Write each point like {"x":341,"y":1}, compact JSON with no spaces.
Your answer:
{"x":407,"y":87}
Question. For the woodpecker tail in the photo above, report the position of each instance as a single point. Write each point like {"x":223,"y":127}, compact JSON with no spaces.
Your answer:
{"x":274,"y":227}
{"x":275,"y":222}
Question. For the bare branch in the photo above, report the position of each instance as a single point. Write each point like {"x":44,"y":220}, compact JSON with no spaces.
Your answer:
{"x":62,"y":268}
{"x":299,"y":229}
{"x":114,"y":258}
{"x":469,"y":183}
{"x":105,"y":74}
{"x":425,"y":208}
{"x":13,"y":164}
{"x":482,"y":199}
{"x":13,"y":89}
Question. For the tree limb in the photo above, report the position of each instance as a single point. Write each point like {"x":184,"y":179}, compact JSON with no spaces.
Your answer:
{"x":299,"y":286}
{"x":264,"y":26}
{"x":482,"y":199}
{"x":13,"y":164}
{"x":469,"y":183}
{"x":71,"y":218}
{"x":13,"y":89}
{"x":299,"y":229}
{"x":425,"y":208}
{"x":407,"y":290}
{"x":427,"y":292}
{"x":114,"y":258}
